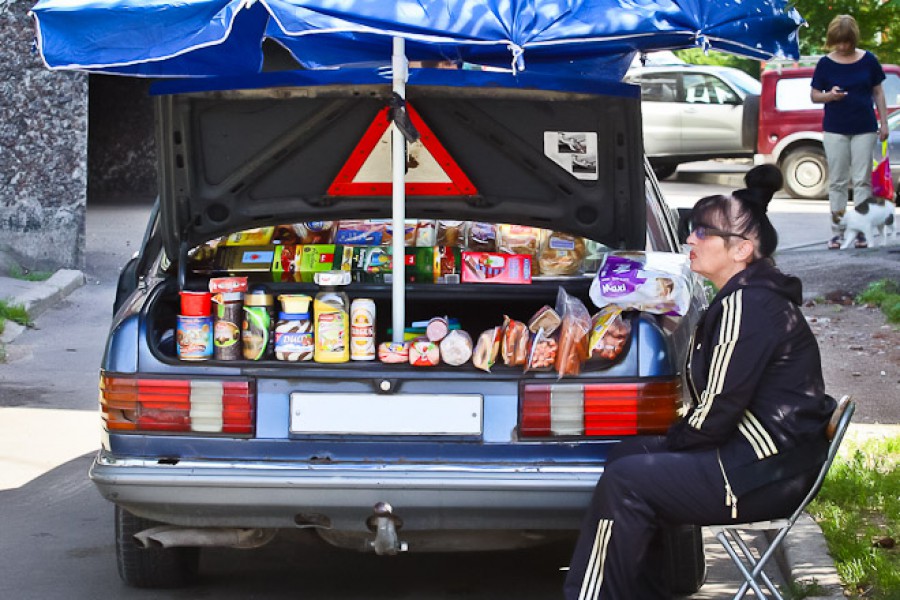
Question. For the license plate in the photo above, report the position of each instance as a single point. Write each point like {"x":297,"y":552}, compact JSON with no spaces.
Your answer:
{"x":375,"y":414}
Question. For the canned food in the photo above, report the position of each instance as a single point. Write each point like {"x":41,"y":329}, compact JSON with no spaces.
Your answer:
{"x":362,"y":329}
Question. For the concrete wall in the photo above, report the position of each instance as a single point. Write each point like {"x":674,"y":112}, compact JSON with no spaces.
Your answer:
{"x":43,"y":151}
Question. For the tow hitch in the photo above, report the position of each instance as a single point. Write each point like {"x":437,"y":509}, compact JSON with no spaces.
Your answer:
{"x":385,"y":524}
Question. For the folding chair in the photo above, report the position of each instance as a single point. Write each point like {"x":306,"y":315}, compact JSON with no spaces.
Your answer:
{"x":730,"y":537}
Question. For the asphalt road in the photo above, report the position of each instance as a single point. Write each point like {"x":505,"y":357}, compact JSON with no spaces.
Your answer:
{"x":56,"y":531}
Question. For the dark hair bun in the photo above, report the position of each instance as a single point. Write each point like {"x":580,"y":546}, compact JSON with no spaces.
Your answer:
{"x":762,"y":182}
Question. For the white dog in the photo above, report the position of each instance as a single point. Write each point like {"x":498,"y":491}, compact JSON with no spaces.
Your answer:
{"x":867,"y":218}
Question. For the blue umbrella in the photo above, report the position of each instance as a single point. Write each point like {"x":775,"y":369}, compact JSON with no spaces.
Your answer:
{"x":172,"y":38}
{"x":598,"y":38}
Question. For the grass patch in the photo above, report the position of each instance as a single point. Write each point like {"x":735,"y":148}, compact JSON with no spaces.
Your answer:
{"x":885,"y":294}
{"x":14,"y":312}
{"x":19,"y":273}
{"x":859,"y":512}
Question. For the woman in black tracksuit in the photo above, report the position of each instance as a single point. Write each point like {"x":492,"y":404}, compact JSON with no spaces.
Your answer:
{"x":752,"y":444}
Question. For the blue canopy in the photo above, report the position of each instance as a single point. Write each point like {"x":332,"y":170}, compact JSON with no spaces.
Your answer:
{"x":179,"y":38}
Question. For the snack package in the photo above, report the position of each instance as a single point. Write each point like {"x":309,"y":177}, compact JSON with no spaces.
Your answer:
{"x":654,"y":282}
{"x":387,"y":236}
{"x":426,"y":234}
{"x":486,"y":349}
{"x":315,"y":232}
{"x":251,"y":237}
{"x":545,"y":318}
{"x":357,"y":232}
{"x":481,"y":237}
{"x":542,"y":353}
{"x":520,"y":239}
{"x":494,"y":267}
{"x":514,"y":345}
{"x":561,"y":254}
{"x":456,"y":348}
{"x":609,"y":333}
{"x":574,"y":334}
{"x":451,"y":233}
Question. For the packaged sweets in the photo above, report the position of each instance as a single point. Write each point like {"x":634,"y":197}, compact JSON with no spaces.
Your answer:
{"x":360,"y":232}
{"x":519,"y":239}
{"x":481,"y":237}
{"x":250,"y":237}
{"x":493,"y":267}
{"x":451,"y":233}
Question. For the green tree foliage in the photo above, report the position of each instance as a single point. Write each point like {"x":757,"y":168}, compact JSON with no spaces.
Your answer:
{"x":879,"y":30}
{"x":879,"y":25}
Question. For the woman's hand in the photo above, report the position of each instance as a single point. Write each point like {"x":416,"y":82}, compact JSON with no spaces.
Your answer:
{"x":834,"y":94}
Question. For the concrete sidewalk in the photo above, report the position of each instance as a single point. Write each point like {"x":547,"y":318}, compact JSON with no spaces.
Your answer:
{"x":36,"y":296}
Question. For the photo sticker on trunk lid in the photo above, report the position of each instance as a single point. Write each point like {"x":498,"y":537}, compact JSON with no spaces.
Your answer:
{"x":574,"y":151}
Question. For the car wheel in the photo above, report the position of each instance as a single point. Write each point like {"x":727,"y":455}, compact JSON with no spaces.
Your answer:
{"x":664,"y":170}
{"x":805,"y":173}
{"x":685,"y":558}
{"x":151,"y":567}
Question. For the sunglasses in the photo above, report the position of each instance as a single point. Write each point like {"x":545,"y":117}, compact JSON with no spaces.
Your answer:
{"x":704,"y":231}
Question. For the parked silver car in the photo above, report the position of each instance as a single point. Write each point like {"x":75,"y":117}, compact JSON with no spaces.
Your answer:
{"x":696,"y":112}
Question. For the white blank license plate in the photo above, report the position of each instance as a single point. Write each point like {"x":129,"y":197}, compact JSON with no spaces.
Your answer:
{"x":375,"y":414}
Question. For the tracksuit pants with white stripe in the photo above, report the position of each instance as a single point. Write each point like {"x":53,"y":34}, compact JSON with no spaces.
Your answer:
{"x":645,"y":487}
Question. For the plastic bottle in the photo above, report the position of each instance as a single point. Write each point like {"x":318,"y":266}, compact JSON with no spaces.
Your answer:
{"x":331,"y":315}
{"x":258,"y":327}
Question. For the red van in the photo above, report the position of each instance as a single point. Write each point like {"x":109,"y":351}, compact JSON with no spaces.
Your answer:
{"x":790,"y":126}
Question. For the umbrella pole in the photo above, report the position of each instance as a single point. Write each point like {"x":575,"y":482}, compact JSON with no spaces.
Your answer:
{"x":398,"y":200}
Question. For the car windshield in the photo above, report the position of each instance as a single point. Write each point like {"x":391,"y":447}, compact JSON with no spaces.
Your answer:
{"x":743,"y":81}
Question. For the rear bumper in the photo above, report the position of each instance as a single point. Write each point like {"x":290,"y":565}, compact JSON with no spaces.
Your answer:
{"x":426,"y":497}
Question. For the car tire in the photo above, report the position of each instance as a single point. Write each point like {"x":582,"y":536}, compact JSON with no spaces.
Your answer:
{"x":805,"y":172}
{"x":151,"y":567}
{"x":685,"y":558}
{"x":664,"y":170}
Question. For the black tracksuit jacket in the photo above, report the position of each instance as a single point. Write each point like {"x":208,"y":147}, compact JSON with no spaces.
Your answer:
{"x":755,"y":375}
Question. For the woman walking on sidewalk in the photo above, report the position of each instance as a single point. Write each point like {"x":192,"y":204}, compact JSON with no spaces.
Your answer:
{"x":847,"y":81}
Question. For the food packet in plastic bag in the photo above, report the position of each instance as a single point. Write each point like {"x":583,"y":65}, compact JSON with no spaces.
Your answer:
{"x":609,"y":333}
{"x":542,"y":352}
{"x":654,"y":282}
{"x":486,"y":349}
{"x":573,"y":334}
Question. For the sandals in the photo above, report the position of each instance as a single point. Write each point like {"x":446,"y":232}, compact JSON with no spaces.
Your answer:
{"x":835,"y":242}
{"x":860,"y":241}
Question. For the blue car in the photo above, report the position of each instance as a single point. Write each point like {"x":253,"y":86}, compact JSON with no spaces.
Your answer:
{"x":517,"y":189}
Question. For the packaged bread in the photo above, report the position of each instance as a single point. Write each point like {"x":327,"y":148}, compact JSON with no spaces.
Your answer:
{"x":561,"y":254}
{"x":519,"y":239}
{"x":456,"y":348}
{"x":609,"y":333}
{"x":487,"y":348}
{"x":514,"y":345}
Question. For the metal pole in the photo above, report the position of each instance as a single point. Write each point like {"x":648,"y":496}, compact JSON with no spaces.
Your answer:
{"x":398,"y":200}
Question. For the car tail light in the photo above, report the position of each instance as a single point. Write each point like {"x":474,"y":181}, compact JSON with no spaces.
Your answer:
{"x":598,"y":410}
{"x":177,"y":405}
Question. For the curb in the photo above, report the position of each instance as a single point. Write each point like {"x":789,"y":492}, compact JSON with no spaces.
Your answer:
{"x":804,"y":559}
{"x":37,"y":296}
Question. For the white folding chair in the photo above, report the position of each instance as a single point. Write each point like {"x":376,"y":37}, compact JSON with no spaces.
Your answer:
{"x":729,"y":535}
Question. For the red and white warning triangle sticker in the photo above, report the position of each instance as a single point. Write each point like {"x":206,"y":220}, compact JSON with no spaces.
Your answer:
{"x":431,"y":171}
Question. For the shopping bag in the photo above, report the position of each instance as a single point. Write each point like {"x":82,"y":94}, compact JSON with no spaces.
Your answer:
{"x":882,"y":183}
